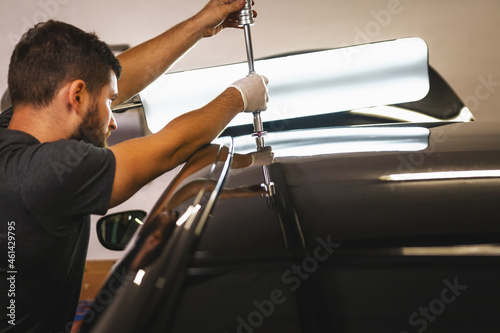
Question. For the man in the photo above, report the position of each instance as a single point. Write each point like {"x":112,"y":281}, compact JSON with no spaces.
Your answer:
{"x":55,"y":167}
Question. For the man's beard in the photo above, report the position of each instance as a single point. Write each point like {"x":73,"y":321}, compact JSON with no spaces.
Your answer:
{"x":91,"y":130}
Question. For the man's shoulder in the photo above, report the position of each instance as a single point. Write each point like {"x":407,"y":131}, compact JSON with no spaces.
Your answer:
{"x":58,"y":179}
{"x":25,"y":156}
{"x":66,"y":156}
{"x":26,"y":147}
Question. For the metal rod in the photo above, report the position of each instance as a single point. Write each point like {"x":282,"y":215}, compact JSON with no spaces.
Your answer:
{"x":257,"y":121}
{"x":246,"y":19}
{"x":248,"y":42}
{"x":258,"y":130}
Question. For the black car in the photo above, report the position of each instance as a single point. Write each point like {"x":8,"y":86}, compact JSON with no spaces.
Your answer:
{"x":348,"y":222}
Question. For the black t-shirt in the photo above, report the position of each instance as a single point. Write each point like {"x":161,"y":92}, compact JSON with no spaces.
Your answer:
{"x":47,"y":191}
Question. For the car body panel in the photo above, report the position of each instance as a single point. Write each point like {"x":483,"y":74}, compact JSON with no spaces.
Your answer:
{"x":360,"y":224}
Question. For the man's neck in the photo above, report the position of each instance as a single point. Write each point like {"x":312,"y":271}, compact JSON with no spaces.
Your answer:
{"x":39,"y":123}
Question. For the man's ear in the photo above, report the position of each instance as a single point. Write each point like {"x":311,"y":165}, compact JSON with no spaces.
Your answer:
{"x":78,"y":95}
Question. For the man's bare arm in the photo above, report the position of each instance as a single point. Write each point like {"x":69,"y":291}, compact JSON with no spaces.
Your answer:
{"x":144,"y":63}
{"x":138,"y":161}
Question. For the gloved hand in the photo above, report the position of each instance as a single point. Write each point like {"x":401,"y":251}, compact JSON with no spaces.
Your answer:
{"x":253,"y":90}
{"x":263,"y":157}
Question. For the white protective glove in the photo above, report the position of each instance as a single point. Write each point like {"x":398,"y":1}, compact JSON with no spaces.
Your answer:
{"x":253,"y":90}
{"x":263,"y":157}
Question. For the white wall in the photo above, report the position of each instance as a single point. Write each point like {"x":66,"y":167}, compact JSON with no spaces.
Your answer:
{"x":463,"y":36}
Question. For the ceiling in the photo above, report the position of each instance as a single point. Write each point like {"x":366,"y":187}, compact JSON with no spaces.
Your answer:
{"x":463,"y":36}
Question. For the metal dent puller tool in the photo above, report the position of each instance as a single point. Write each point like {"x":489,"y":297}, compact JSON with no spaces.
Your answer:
{"x":245,"y":20}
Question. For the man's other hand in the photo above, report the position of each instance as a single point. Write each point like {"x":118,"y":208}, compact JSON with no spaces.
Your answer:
{"x":253,"y":90}
{"x":220,"y":14}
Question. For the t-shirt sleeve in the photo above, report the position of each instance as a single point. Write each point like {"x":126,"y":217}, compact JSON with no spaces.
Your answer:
{"x":64,"y":180}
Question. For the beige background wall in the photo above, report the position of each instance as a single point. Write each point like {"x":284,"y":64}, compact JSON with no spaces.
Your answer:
{"x":463,"y":35}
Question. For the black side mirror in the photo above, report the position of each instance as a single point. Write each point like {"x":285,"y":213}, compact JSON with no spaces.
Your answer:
{"x":115,"y":231}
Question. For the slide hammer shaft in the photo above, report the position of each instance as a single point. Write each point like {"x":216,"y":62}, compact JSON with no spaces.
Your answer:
{"x":248,"y":41}
{"x":245,"y":20}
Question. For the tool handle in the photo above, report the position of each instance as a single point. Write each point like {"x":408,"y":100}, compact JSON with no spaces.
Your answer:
{"x":245,"y":16}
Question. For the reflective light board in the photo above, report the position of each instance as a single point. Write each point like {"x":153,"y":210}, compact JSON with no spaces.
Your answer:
{"x":305,"y":84}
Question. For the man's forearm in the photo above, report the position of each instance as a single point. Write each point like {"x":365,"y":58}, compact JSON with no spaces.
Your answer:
{"x":144,"y":63}
{"x":171,"y":146}
{"x":199,"y":127}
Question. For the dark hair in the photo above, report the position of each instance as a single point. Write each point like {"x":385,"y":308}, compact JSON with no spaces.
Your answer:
{"x":54,"y":53}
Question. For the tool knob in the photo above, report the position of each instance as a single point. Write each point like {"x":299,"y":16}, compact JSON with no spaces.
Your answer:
{"x":245,"y":16}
